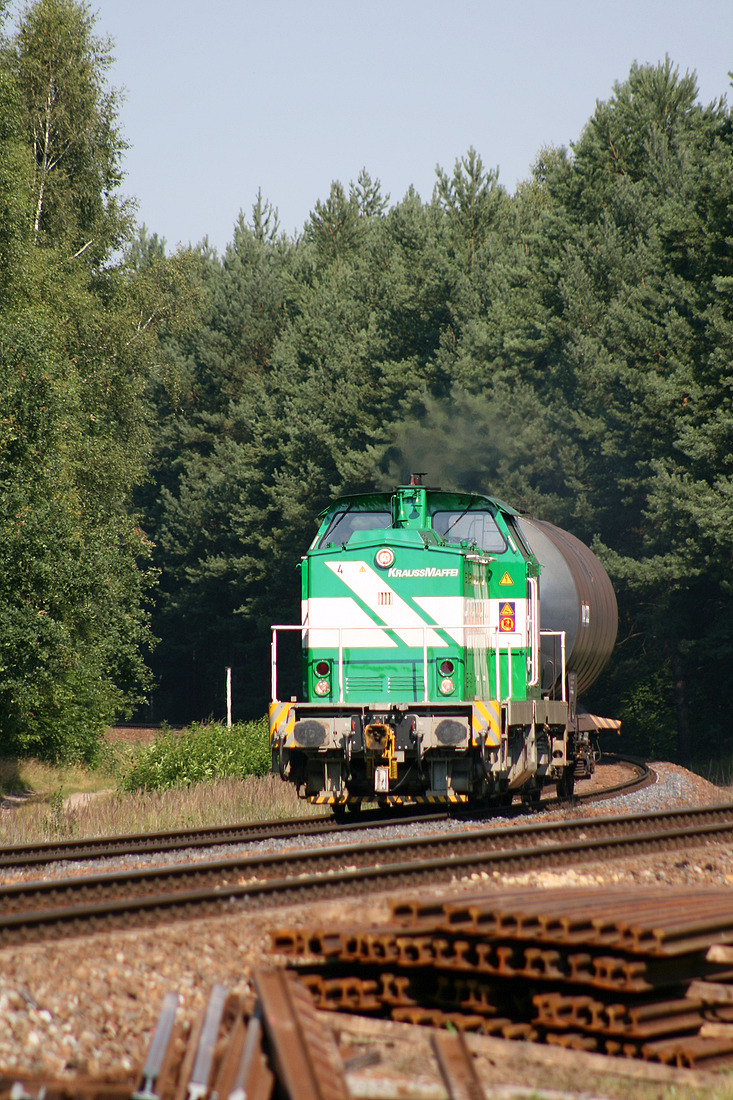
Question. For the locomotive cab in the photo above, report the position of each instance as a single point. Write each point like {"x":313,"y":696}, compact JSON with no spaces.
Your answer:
{"x":422,"y":658}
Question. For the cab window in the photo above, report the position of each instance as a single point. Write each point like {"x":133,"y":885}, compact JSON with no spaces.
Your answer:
{"x":344,"y":524}
{"x":477,"y":527}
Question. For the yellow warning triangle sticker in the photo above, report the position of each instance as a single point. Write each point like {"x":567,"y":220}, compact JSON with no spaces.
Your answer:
{"x":507,"y":609}
{"x":362,"y":570}
{"x":506,"y":579}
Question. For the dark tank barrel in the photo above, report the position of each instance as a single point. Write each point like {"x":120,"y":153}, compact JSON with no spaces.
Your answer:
{"x":576,"y":596}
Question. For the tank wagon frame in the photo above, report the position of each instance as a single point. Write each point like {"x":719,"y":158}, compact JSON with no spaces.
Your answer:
{"x":445,"y":638}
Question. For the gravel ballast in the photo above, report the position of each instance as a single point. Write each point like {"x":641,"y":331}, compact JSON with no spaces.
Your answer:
{"x":89,"y":1005}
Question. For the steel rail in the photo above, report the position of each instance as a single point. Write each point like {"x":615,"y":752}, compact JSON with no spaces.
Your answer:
{"x":223,"y":874}
{"x":457,"y":1066}
{"x":303,"y":1051}
{"x":54,"y":851}
{"x":644,"y":778}
{"x":44,"y":909}
{"x":17,"y":856}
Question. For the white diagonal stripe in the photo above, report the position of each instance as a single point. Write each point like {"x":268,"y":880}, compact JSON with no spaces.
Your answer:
{"x":324,"y":615}
{"x":366,"y":583}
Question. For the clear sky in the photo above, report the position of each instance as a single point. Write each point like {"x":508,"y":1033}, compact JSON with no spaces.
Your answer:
{"x":227,"y":96}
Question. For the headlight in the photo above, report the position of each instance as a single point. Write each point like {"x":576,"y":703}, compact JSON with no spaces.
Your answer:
{"x":322,"y":687}
{"x":446,"y":686}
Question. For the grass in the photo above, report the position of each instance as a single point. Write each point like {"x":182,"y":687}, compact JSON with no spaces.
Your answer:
{"x":177,"y":781}
{"x":32,"y":778}
{"x":45,"y":816}
{"x":719,"y":772}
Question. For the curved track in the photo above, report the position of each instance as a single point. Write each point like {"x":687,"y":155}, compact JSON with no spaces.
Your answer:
{"x":30,"y":855}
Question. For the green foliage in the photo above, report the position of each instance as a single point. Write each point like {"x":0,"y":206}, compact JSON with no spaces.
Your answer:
{"x":472,"y":199}
{"x":72,"y":589}
{"x":145,"y":249}
{"x":79,"y":351}
{"x":199,"y":754}
{"x":568,"y":348}
{"x":648,"y":719}
{"x":335,"y":226}
{"x":15,"y":183}
{"x":70,"y":120}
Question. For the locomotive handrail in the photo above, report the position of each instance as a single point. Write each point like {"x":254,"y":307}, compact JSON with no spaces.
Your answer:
{"x":493,"y":636}
{"x":273,"y":652}
{"x":305,"y":627}
{"x":563,"y":671}
{"x":533,"y":628}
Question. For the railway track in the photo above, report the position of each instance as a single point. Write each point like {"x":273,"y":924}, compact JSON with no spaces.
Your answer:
{"x":72,"y":905}
{"x":97,"y":848}
{"x":54,"y":851}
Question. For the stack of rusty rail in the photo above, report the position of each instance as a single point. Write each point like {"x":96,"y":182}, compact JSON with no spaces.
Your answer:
{"x":640,"y":975}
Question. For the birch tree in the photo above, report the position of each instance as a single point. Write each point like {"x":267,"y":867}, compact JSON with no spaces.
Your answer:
{"x":61,"y":68}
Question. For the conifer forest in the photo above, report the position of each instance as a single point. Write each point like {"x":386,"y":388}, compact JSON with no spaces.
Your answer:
{"x":172,"y":423}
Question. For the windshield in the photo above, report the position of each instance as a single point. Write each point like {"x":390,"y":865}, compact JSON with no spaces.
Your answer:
{"x":473,"y":527}
{"x":344,"y":524}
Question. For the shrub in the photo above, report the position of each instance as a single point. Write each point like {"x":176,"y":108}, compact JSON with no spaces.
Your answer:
{"x":649,"y":723}
{"x":198,"y":754}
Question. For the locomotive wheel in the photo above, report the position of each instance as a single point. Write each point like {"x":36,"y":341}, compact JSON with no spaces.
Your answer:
{"x":531,"y":798}
{"x":344,"y":810}
{"x":566,"y":783}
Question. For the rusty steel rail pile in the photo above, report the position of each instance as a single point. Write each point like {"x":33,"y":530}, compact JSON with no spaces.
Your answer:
{"x":588,"y":969}
{"x":276,"y":1044}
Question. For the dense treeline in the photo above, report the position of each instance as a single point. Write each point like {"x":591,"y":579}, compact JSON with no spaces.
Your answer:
{"x":567,"y":348}
{"x":79,"y":345}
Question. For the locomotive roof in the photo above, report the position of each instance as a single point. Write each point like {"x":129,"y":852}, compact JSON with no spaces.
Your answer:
{"x":363,"y":501}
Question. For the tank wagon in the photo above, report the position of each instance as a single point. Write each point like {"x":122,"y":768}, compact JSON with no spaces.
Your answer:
{"x":445,"y":639}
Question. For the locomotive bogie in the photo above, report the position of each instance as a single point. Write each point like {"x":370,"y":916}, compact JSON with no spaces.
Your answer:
{"x":426,"y":674}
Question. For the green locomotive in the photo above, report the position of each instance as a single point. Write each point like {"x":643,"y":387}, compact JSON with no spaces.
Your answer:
{"x":445,"y":638}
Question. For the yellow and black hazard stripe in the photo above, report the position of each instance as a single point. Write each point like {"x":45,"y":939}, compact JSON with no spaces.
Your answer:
{"x":596,"y":722}
{"x":486,"y":722}
{"x":332,"y":800}
{"x":425,"y":799}
{"x":282,"y":720}
{"x":391,"y":799}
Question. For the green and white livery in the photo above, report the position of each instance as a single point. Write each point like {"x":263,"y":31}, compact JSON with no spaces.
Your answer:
{"x":427,"y":675}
